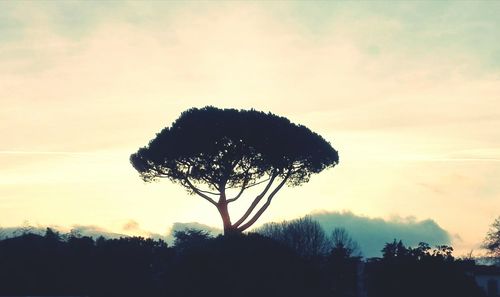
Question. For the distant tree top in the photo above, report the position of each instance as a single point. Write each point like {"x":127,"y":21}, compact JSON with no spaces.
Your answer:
{"x":492,"y":241}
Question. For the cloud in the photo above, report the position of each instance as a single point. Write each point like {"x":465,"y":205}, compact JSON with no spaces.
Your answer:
{"x":370,"y":233}
{"x":131,"y":226}
{"x":177,"y":226}
{"x":373,"y":233}
{"x":95,"y":231}
{"x":84,"y":230}
{"x":20,"y":152}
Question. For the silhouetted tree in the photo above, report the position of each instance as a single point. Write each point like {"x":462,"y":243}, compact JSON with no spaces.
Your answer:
{"x":26,"y":228}
{"x":52,"y":235}
{"x":342,"y":263}
{"x":212,"y":152}
{"x":394,"y":249}
{"x":343,"y":245}
{"x":305,"y":236}
{"x":492,"y":240}
{"x":190,"y":238}
{"x":419,"y":271}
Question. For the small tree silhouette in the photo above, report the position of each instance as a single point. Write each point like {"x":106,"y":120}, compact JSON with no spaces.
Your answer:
{"x":342,"y":263}
{"x":492,"y":241}
{"x":304,"y":236}
{"x":190,"y":238}
{"x":343,"y":245}
{"x":212,"y":152}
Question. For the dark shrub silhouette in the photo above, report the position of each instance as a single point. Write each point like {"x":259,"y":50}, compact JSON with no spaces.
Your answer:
{"x":128,"y":266}
{"x":31,"y":264}
{"x":244,"y":265}
{"x":231,"y":265}
{"x":419,"y":271}
{"x":189,"y":239}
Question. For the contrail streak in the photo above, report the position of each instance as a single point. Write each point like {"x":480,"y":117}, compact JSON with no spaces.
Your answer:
{"x":427,"y":159}
{"x":461,"y":160}
{"x":46,"y":153}
{"x":62,"y":153}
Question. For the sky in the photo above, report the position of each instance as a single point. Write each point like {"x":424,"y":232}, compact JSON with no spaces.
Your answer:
{"x":407,"y":92}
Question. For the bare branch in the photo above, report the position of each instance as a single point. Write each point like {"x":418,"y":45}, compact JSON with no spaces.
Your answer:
{"x":208,"y":192}
{"x":199,"y":192}
{"x":256,"y":201}
{"x":243,"y":187}
{"x":265,"y":206}
{"x":258,"y":183}
{"x":247,"y":187}
{"x":209,"y":182}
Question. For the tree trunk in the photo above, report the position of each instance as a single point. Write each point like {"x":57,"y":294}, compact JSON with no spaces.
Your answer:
{"x":226,"y":219}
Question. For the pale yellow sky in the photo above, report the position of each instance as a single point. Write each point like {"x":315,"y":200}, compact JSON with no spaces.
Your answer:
{"x":408,"y":94}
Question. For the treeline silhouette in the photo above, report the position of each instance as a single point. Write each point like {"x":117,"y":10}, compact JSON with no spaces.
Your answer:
{"x":199,"y":264}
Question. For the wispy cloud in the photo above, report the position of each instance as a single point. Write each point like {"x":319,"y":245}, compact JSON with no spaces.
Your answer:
{"x":49,"y":153}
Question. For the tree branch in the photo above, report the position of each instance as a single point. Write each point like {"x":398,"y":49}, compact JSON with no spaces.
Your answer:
{"x":243,"y":187}
{"x":256,"y":201}
{"x":208,"y":192}
{"x":209,"y":182}
{"x":199,"y":192}
{"x":265,"y":206}
{"x":246,"y":187}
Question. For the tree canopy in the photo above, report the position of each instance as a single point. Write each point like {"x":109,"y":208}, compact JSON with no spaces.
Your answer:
{"x":213,"y":152}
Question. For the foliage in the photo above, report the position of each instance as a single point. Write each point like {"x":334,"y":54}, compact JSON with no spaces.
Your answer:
{"x":492,"y":240}
{"x":342,"y":263}
{"x":244,"y":265}
{"x":419,"y":271}
{"x":189,"y":238}
{"x":55,"y":265}
{"x":52,"y":235}
{"x":394,"y":249}
{"x":305,"y":236}
{"x":212,"y":152}
{"x":343,"y":245}
{"x":239,"y":265}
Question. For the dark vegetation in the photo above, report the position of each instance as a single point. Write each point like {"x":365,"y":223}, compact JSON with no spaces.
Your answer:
{"x":492,"y":240}
{"x":287,"y":259}
{"x":218,"y":154}
{"x":420,"y":271}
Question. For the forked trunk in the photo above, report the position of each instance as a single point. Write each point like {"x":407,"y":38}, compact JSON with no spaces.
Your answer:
{"x":229,"y":229}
